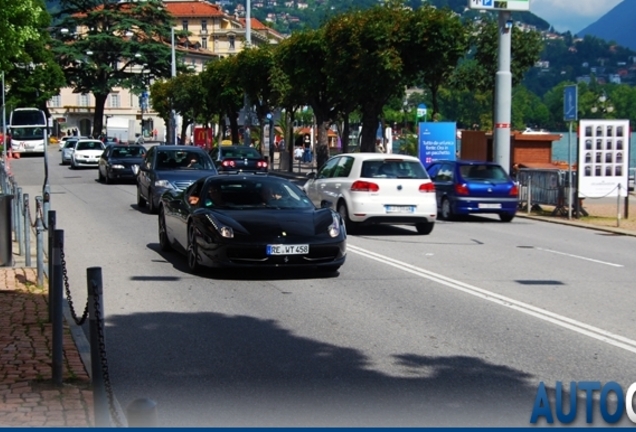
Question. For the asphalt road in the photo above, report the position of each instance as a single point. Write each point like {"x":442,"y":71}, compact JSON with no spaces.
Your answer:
{"x":452,"y":329}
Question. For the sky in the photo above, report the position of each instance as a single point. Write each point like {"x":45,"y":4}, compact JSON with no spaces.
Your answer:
{"x":572,"y":15}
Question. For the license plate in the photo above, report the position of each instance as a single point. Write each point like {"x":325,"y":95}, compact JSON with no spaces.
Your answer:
{"x":489,"y":206}
{"x":287,"y":249}
{"x":399,"y":209}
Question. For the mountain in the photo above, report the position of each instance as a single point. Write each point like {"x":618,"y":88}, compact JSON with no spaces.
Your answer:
{"x":616,"y":25}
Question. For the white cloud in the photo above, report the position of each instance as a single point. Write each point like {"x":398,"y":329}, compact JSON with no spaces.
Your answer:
{"x":572,"y":15}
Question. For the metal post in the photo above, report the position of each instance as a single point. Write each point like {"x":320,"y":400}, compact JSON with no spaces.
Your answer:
{"x":14,"y":212}
{"x":39,"y":231}
{"x":173,"y":114}
{"x":503,"y":92}
{"x":27,"y":231}
{"x":618,"y":206}
{"x":95,"y":308}
{"x":246,"y":101}
{"x":570,"y":173}
{"x":529,"y":205}
{"x":52,"y":268}
{"x":46,"y":188}
{"x":18,"y":226}
{"x":56,"y":295}
{"x":142,"y":413}
{"x":4,"y":123}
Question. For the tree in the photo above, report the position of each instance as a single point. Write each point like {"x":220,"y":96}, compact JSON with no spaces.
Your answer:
{"x":188,"y":100}
{"x":311,"y":79}
{"x":437,"y":41}
{"x":369,"y":66}
{"x":35,"y":77}
{"x":114,"y":40}
{"x":20,"y":23}
{"x":161,"y":102}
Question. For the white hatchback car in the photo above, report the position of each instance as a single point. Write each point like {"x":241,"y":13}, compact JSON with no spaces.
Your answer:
{"x":87,"y":153}
{"x":376,"y":188}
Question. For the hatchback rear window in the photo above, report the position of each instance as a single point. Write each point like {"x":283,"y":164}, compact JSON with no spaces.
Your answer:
{"x":482,"y":172}
{"x":393,"y":168}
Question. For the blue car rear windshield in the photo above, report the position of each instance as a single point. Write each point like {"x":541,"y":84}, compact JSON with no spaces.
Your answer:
{"x":183,"y":160}
{"x":393,"y":168}
{"x":482,"y":172}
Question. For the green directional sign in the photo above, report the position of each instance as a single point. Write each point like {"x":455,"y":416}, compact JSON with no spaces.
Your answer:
{"x":510,"y":5}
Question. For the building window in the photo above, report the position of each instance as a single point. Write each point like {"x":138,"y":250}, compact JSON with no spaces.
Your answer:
{"x":204,"y":43}
{"x":56,"y":101}
{"x":83,"y":100}
{"x":231,"y":40}
{"x":184,"y":24}
{"x":134,"y":101}
{"x":204,"y":26}
{"x":113,"y":100}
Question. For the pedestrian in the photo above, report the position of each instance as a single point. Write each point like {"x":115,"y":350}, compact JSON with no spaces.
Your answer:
{"x":154,"y":134}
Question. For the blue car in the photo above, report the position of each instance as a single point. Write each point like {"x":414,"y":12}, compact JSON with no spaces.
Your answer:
{"x":467,"y":187}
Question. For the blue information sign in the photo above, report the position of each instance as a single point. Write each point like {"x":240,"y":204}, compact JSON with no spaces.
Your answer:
{"x":436,"y":141}
{"x":570,"y":103}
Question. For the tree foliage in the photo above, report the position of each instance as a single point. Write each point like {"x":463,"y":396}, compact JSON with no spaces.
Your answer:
{"x":20,"y":23}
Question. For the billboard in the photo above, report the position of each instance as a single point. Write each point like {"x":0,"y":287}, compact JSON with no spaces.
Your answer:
{"x":511,"y":5}
{"x":436,"y":141}
{"x":203,"y":137}
{"x":603,"y":158}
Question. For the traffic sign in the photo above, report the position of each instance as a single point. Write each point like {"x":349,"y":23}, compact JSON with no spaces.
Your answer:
{"x":570,"y":103}
{"x":421,"y":110}
{"x":511,"y":5}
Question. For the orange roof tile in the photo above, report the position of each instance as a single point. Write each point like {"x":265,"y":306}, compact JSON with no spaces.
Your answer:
{"x":256,"y":24}
{"x":193,"y":9}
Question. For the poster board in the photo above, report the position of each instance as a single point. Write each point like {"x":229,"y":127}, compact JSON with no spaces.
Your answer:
{"x":437,"y":141}
{"x":603,"y":161}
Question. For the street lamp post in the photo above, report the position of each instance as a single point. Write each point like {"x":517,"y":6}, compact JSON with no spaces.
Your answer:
{"x":604,"y":106}
{"x":173,"y":114}
{"x":246,"y":100}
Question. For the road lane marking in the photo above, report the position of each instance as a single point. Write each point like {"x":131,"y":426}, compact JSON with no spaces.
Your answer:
{"x":579,"y":257}
{"x":562,"y":321}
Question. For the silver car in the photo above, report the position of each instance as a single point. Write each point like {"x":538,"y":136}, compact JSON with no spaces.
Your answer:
{"x":69,"y":148}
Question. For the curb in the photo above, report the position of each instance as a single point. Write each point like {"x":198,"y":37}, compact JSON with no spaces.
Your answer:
{"x":613,"y":230}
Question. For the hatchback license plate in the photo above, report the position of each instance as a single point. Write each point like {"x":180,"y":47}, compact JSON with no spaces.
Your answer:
{"x":399,"y":209}
{"x":287,"y":249}
{"x":489,"y":206}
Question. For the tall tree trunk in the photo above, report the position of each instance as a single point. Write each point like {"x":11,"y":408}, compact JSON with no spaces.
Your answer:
{"x":369,"y":130}
{"x":98,"y":119}
{"x":346,"y":127}
{"x":289,"y":139}
{"x":322,"y":147}
{"x":234,"y":128}
{"x":184,"y":128}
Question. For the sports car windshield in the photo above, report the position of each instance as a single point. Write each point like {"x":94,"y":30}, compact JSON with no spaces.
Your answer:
{"x":253,"y":194}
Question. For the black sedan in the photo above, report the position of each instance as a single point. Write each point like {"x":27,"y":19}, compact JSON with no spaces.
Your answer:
{"x":238,"y":158}
{"x":120,"y":162}
{"x":253,"y":220}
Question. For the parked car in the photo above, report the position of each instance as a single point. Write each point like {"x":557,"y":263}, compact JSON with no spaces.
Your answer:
{"x":238,"y":158}
{"x":68,"y":149}
{"x":119,"y":162}
{"x":170,"y":167}
{"x":467,"y":187}
{"x":87,"y":153}
{"x":376,"y":188}
{"x":252,"y":220}
{"x":631,"y":179}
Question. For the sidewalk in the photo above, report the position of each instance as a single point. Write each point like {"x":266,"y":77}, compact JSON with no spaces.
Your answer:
{"x":28,"y":396}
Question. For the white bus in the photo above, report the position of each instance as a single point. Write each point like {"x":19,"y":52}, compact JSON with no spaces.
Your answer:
{"x":26,"y":130}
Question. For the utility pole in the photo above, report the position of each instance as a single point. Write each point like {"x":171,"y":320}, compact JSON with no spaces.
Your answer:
{"x":503,"y":92}
{"x":247,"y":123}
{"x":173,"y":114}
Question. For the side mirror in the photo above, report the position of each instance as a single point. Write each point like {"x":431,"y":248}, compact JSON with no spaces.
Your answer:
{"x":311,"y":175}
{"x":326,"y":204}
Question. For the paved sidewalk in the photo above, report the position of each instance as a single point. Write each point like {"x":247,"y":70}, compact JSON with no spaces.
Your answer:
{"x":27,"y":394}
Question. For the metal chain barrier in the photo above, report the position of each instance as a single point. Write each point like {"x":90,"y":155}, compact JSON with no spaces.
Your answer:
{"x":104,"y":361}
{"x":41,"y":213}
{"x":598,"y":197}
{"x":28,"y":215}
{"x":69,"y":298}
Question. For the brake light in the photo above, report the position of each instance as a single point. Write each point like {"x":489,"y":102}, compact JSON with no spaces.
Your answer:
{"x":427,"y":187}
{"x":228,"y":163}
{"x":514,"y":191}
{"x":461,"y":189}
{"x":364,"y":186}
{"x":261,"y":164}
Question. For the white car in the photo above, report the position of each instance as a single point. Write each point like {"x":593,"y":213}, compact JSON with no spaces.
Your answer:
{"x":67,"y":151}
{"x":376,"y":188}
{"x":87,"y":153}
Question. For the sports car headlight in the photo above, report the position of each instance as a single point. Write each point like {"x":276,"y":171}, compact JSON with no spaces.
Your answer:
{"x":163,"y":184}
{"x":334,"y":228}
{"x":225,"y":231}
{"x":118,"y":166}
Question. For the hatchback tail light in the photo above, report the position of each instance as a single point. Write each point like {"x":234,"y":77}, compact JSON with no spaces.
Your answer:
{"x":427,"y":187}
{"x":364,"y":186}
{"x":261,"y":164}
{"x":228,"y":163}
{"x":461,"y":189}
{"x":514,"y":190}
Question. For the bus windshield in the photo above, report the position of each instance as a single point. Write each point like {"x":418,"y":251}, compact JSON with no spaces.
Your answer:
{"x":27,"y":133}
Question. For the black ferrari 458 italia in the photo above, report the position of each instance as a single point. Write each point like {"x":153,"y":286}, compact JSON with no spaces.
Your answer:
{"x":250,"y":220}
